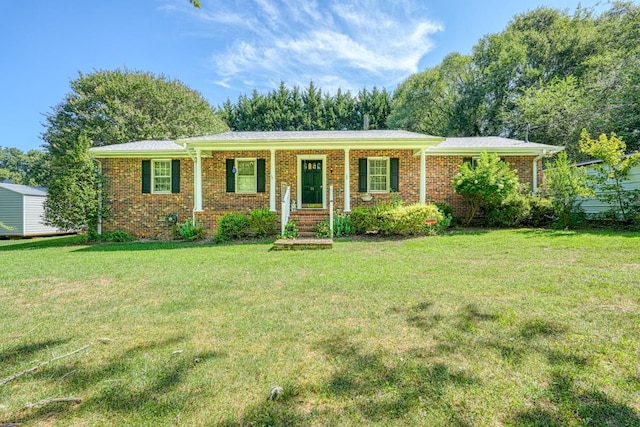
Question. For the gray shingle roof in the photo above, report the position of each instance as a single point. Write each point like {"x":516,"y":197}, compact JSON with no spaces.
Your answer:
{"x":140,"y":146}
{"x":24,"y":189}
{"x":490,"y":142}
{"x":311,"y":135}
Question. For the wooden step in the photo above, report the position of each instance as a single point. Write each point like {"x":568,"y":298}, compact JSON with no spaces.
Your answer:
{"x":302,"y":244}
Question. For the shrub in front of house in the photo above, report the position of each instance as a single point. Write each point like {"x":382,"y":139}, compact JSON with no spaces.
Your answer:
{"x":233,"y":226}
{"x":521,"y":209}
{"x":322,"y":229}
{"x":542,"y":213}
{"x":512,"y":211}
{"x":411,"y":220}
{"x":189,"y":230}
{"x":291,"y":230}
{"x":342,"y":227}
{"x":263,"y":222}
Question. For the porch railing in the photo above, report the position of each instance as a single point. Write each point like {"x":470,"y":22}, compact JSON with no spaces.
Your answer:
{"x":286,"y":208}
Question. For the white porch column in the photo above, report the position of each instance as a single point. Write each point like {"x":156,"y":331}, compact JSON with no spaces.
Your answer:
{"x":272,"y":181}
{"x":197,"y":176}
{"x":347,"y":181}
{"x":423,"y":176}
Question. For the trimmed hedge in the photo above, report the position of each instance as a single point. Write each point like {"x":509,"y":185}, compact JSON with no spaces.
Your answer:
{"x":387,"y":219}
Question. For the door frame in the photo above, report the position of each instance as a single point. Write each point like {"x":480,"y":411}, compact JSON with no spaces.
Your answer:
{"x":299,"y":160}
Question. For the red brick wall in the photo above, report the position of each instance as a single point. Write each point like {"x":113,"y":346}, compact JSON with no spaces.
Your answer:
{"x":409,"y":172}
{"x":442,"y":169}
{"x":142,"y":214}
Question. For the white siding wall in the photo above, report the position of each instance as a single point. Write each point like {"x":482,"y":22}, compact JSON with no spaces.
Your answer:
{"x":11,"y":212}
{"x":34,"y":217}
{"x":594,"y":206}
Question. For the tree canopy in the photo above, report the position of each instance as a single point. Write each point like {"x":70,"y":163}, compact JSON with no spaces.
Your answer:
{"x":308,"y":109}
{"x":546,"y":76}
{"x":112,"y":107}
{"x":23,"y":168}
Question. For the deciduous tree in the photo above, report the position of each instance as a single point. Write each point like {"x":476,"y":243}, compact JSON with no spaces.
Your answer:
{"x":487,"y":183}
{"x":611,"y":173}
{"x":74,"y":199}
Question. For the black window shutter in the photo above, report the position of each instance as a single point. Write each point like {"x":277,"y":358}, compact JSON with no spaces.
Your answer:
{"x":146,"y":176}
{"x":261,"y":178}
{"x":362,"y":175}
{"x":175,"y":176}
{"x":394,"y":165}
{"x":231,"y":179}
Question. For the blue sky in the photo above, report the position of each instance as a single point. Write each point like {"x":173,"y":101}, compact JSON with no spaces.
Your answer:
{"x":230,"y":47}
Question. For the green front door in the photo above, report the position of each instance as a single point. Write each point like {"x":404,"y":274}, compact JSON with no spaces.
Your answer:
{"x":311,"y":183}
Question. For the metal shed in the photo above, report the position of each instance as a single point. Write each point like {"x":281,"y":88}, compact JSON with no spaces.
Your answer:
{"x":22,"y":210}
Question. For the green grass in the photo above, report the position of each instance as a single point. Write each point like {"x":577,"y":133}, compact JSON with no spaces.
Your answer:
{"x":522,"y":327}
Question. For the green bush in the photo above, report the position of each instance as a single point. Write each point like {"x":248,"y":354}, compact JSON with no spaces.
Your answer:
{"x":290,"y":230}
{"x":233,"y":226}
{"x":322,"y":229}
{"x":542,"y":213}
{"x":487,"y":185}
{"x":342,"y":225}
{"x":189,"y":230}
{"x":361,"y":220}
{"x":513,"y":211}
{"x":412,"y":220}
{"x":263,"y":222}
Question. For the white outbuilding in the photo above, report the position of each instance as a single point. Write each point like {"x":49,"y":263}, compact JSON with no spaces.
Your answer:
{"x":22,"y":211}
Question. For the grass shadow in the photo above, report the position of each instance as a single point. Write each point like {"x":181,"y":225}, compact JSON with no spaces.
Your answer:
{"x":155,"y":245}
{"x":12,"y":354}
{"x":285,"y":410}
{"x":385,"y":388}
{"x":559,"y":233}
{"x":564,"y":404}
{"x":42,"y":243}
{"x":123,"y":384}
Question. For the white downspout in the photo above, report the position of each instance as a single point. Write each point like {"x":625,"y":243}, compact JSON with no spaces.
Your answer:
{"x":423,"y":176}
{"x":99,"y":197}
{"x":272,"y":181}
{"x":535,"y":171}
{"x":347,"y":188}
{"x":198,"y":179}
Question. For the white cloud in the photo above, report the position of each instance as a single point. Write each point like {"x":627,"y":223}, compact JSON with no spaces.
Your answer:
{"x":348,"y":44}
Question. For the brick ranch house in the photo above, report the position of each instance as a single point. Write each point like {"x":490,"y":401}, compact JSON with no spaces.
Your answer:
{"x":148,"y":182}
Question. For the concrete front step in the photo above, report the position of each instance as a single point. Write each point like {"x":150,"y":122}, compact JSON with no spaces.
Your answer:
{"x":302,"y":244}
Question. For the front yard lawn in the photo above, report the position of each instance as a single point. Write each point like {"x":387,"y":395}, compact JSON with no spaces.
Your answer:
{"x":510,"y":327}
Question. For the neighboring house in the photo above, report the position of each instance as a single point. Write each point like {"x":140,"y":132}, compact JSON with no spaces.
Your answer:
{"x":591,"y":205}
{"x":149,"y":182}
{"x":22,"y":211}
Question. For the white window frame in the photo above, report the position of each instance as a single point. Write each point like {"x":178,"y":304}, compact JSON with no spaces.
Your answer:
{"x":255,"y":175}
{"x":474,"y":161}
{"x":369,"y":174}
{"x":154,"y":177}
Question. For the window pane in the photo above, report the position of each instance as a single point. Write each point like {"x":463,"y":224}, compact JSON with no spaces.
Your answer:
{"x":246,"y":167}
{"x":246,"y":176}
{"x":162,"y":176}
{"x":378,"y":174}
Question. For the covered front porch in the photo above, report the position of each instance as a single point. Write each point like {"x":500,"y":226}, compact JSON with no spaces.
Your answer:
{"x":309,"y":164}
